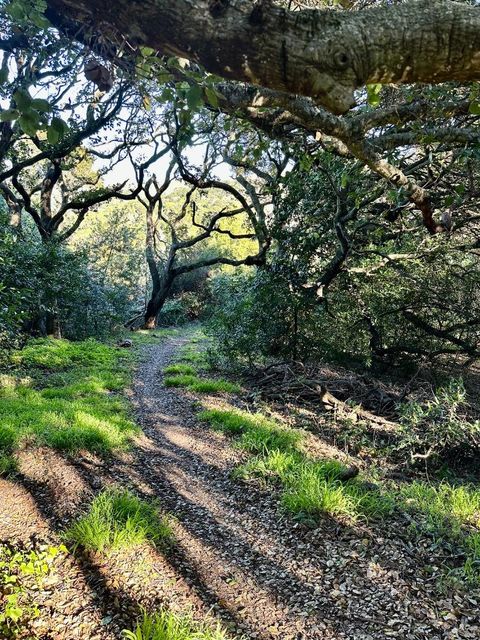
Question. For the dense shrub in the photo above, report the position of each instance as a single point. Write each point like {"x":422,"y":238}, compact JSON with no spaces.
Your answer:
{"x":257,"y":317}
{"x":187,"y":307}
{"x":440,"y":426}
{"x":40,"y":281}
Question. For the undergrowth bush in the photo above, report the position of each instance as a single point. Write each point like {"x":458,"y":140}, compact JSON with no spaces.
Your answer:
{"x":439,"y":427}
{"x":21,"y":577}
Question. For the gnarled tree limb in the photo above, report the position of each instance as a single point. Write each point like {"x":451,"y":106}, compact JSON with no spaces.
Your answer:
{"x":318,"y":53}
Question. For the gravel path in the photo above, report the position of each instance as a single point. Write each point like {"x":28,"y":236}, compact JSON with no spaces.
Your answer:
{"x":264,"y":574}
{"x":237,"y":556}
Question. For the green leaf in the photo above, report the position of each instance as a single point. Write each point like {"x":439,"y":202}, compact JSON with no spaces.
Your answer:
{"x":22,"y":99}
{"x":8,"y":115}
{"x":41,"y":105}
{"x":53,"y":135}
{"x":147,"y":51}
{"x":56,"y":130}
{"x":29,"y":123}
{"x":147,"y":103}
{"x":373,"y":94}
{"x":16,"y":11}
{"x":163,"y":76}
{"x":212,"y":97}
{"x":39,"y":21}
{"x":60,"y":125}
{"x":474,"y":108}
{"x":3,"y":76}
{"x":194,"y":97}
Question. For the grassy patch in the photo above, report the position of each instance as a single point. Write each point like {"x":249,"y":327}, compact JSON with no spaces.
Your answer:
{"x":445,"y":507}
{"x":450,"y":512}
{"x":69,"y":401}
{"x":309,"y":486}
{"x":199,"y":385}
{"x":312,"y":488}
{"x":8,"y":464}
{"x":60,"y":354}
{"x":118,"y":519}
{"x":257,"y":433}
{"x":167,"y":625}
{"x":192,"y":355}
{"x":180,"y":369}
{"x":147,"y":336}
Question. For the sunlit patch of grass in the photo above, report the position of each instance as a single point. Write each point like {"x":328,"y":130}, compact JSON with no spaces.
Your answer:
{"x":77,"y":408}
{"x":68,"y":419}
{"x":311,"y":489}
{"x":167,"y":625}
{"x":274,"y":466}
{"x":119,"y":519}
{"x":148,"y":336}
{"x":309,"y":486}
{"x":257,"y":433}
{"x":180,"y":369}
{"x":238,"y":422}
{"x":199,"y":385}
{"x":444,"y":506}
{"x":180,"y":381}
{"x":450,"y":512}
{"x":57,"y":354}
{"x":280,"y":465}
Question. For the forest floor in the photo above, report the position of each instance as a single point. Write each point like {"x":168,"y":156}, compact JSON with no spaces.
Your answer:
{"x":237,"y":557}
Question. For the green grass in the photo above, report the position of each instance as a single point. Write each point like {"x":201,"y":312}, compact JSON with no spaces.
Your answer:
{"x":119,"y":519}
{"x":180,"y":369}
{"x":66,"y":396}
{"x":60,"y":354}
{"x":257,"y":433}
{"x":191,"y":354}
{"x":8,"y":464}
{"x":444,"y":506}
{"x":148,"y":336}
{"x":167,"y":625}
{"x":449,"y":512}
{"x":199,"y":385}
{"x":180,"y":381}
{"x":311,"y":489}
{"x":309,"y":486}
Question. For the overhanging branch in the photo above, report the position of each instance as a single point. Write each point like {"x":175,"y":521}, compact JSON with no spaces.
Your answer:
{"x":318,"y":53}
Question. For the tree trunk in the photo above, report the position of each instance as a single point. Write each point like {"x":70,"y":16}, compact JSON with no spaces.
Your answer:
{"x":53,"y":326}
{"x":155,"y":304}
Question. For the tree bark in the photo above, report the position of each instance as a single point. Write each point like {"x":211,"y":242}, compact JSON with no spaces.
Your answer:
{"x":155,"y":304}
{"x":323,"y":54}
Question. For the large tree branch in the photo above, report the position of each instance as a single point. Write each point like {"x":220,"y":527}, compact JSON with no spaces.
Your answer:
{"x":319,"y":53}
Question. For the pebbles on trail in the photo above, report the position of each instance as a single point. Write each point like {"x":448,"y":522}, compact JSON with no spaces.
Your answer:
{"x":237,"y":556}
{"x":263,"y":573}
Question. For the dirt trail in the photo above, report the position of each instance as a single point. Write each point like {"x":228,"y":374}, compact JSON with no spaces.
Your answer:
{"x":237,"y":556}
{"x":269,"y":576}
